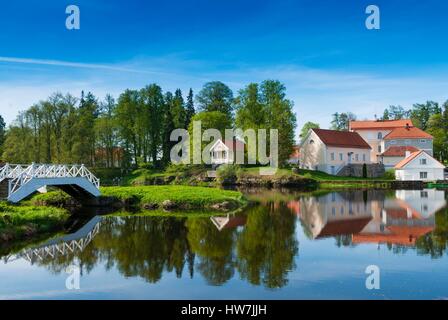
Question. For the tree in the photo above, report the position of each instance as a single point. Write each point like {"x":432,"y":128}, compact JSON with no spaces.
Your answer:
{"x":216,"y":96}
{"x":436,"y":129}
{"x":280,"y":116}
{"x":307,"y":127}
{"x":2,"y":133}
{"x":127,"y":112}
{"x":189,"y":109}
{"x":177,"y":110}
{"x":153,"y":107}
{"x":106,"y":131}
{"x":421,"y":112}
{"x":341,"y":121}
{"x":171,"y":120}
{"x":251,"y":112}
{"x":395,"y":113}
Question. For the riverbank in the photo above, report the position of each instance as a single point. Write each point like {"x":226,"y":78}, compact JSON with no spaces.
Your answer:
{"x":168,"y":198}
{"x":25,"y":222}
{"x":251,"y":177}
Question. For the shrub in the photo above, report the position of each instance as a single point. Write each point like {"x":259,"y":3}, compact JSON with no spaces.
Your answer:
{"x":227,"y":173}
{"x":389,"y":175}
{"x":364,"y":170}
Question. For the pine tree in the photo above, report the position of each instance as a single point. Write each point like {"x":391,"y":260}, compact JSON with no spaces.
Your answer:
{"x":189,"y":109}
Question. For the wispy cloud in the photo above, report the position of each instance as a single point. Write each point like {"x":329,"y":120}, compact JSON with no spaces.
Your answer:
{"x":60,"y":63}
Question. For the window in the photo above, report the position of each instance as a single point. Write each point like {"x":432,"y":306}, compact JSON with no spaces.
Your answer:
{"x":380,"y":135}
{"x":332,"y":156}
{"x":423,"y":175}
{"x":364,"y":157}
{"x":424,"y":194}
{"x":379,"y":149}
{"x":333,"y":211}
{"x":393,"y":142}
{"x":224,"y":155}
{"x":422,"y":141}
{"x":357,"y":157}
{"x":311,"y":141}
{"x":423,"y":161}
{"x":341,"y":156}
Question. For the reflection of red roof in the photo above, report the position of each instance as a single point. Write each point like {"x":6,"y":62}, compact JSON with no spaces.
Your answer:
{"x":236,"y":222}
{"x":398,"y":151}
{"x":379,"y":124}
{"x":408,"y":133}
{"x":295,"y":207}
{"x":402,"y":235}
{"x":342,"y":139}
{"x":343,"y":227}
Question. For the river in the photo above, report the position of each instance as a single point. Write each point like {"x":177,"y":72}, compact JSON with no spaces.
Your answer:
{"x":290,"y":245}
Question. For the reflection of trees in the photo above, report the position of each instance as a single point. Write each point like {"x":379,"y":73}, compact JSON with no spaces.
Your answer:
{"x":263,"y":252}
{"x":267,"y":246}
{"x":137,"y":246}
{"x":214,"y":248}
{"x":435,"y":243}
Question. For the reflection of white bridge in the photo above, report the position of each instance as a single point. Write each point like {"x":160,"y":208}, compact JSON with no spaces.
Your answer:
{"x":19,"y":181}
{"x":71,"y":243}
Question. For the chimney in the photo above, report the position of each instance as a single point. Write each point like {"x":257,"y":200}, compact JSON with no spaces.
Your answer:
{"x":407,"y":154}
{"x":407,"y":126}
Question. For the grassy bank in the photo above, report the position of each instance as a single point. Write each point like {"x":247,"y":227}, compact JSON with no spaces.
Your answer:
{"x":22,"y":222}
{"x":170,"y":197}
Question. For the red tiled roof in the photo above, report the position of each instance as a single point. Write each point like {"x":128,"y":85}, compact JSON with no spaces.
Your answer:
{"x":239,"y":146}
{"x":405,"y":161}
{"x":399,"y":151}
{"x":342,"y":139}
{"x":379,"y":124}
{"x":408,"y":132}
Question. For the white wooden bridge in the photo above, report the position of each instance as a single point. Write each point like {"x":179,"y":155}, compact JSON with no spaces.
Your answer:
{"x":20,"y":181}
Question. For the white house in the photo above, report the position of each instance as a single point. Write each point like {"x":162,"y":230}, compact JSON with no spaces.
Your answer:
{"x":393,"y":155}
{"x":223,"y":152}
{"x":329,"y":150}
{"x":419,"y":166}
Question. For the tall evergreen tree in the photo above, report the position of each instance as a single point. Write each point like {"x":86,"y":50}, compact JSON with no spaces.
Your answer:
{"x":189,"y":109}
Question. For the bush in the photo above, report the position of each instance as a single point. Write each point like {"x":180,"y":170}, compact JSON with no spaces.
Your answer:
{"x":389,"y":175}
{"x":227,"y":173}
{"x":364,"y":170}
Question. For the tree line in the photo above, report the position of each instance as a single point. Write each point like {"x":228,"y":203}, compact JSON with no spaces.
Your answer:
{"x":135,"y":129}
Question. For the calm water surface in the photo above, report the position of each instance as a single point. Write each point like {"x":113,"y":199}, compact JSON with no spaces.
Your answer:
{"x":290,"y":246}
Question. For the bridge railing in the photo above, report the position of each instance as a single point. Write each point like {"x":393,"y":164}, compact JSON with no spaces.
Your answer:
{"x":21,"y":174}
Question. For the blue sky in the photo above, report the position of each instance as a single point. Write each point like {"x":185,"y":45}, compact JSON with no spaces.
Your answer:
{"x":321,"y":50}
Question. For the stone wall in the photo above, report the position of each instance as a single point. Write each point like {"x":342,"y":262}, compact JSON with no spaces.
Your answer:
{"x":374,"y":170}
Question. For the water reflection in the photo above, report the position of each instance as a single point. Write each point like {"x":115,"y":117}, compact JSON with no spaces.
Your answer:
{"x":259,"y":246}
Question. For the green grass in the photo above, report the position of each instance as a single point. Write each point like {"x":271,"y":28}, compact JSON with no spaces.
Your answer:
{"x":322,"y":176}
{"x":185,"y":196}
{"x":19,"y":222}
